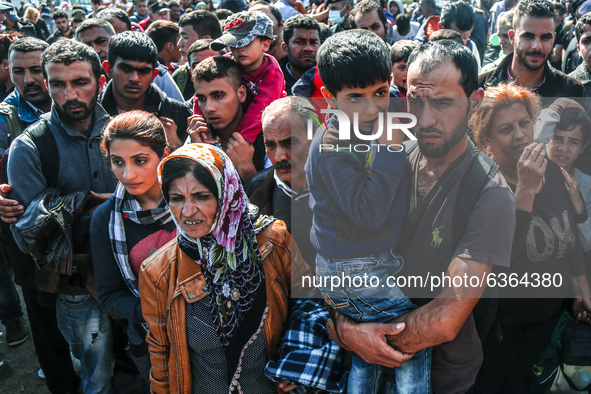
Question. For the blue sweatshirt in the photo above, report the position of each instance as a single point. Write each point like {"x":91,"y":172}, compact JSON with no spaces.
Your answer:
{"x":358,"y":199}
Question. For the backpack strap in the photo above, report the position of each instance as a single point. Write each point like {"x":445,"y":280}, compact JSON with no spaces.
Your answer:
{"x":15,"y":125}
{"x":482,"y":169}
{"x":42,"y":137}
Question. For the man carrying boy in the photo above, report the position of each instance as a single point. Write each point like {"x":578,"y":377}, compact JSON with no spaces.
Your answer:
{"x":442,"y":92}
{"x":357,"y":196}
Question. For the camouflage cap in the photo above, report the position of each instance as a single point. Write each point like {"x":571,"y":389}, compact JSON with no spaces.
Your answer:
{"x":241,"y":28}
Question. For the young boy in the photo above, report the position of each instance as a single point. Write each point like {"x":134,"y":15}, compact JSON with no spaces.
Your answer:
{"x":249,"y":34}
{"x":399,"y":54}
{"x":357,"y":196}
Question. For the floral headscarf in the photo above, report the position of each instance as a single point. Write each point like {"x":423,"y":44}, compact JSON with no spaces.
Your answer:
{"x":228,"y":254}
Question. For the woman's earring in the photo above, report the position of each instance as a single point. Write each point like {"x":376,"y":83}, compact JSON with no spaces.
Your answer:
{"x":6,"y":68}
{"x":490,"y":146}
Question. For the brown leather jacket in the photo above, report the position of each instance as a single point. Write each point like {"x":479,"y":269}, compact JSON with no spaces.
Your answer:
{"x":170,"y":279}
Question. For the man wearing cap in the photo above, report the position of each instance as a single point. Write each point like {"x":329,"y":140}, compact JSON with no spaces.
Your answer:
{"x":11,"y":21}
{"x":159,"y":11}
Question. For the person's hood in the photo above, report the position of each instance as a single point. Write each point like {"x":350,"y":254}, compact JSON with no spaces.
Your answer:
{"x":399,"y":3}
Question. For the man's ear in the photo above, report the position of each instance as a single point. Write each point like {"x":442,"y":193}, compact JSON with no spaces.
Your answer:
{"x":170,"y":46}
{"x":330,"y":99}
{"x":476,"y":99}
{"x":165,"y":153}
{"x":347,"y":9}
{"x":101,"y":81}
{"x":107,"y":68}
{"x":284,"y":47}
{"x":511,"y":35}
{"x":241,"y":92}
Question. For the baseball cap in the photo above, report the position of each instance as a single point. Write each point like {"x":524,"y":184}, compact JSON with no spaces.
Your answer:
{"x":241,"y":28}
{"x":9,"y":10}
{"x":159,"y":6}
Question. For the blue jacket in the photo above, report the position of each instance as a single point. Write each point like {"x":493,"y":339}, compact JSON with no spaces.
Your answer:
{"x":25,"y":113}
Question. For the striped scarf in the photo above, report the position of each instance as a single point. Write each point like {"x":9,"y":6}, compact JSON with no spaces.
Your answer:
{"x":126,"y":206}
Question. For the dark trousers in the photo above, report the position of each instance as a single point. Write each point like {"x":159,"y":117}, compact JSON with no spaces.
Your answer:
{"x":10,"y":304}
{"x":507,"y":366}
{"x":53,"y":352}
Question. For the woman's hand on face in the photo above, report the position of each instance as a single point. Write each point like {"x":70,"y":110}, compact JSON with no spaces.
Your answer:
{"x":531,"y":167}
{"x":573,"y":190}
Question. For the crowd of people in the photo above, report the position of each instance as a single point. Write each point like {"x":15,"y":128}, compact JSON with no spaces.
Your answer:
{"x":172,"y":175}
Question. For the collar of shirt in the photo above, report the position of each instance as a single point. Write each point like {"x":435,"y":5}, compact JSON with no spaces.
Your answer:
{"x":285,"y":188}
{"x":36,"y":110}
{"x":511,"y":79}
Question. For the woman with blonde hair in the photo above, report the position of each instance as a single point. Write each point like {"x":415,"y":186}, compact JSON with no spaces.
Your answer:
{"x":546,"y":250}
{"x":34,"y":16}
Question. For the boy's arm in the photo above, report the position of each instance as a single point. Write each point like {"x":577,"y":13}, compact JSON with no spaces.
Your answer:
{"x":271,"y":88}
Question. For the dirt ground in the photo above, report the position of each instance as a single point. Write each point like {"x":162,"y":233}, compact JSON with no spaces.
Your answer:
{"x":18,"y":373}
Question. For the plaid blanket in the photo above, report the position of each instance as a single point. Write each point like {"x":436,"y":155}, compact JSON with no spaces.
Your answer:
{"x":307,"y":356}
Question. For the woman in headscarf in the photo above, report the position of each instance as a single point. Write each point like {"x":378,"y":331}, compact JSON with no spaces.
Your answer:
{"x":215,"y":299}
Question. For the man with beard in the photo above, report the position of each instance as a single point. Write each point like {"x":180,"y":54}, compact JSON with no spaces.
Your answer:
{"x":442,"y":94}
{"x":131,"y":64}
{"x":221,"y":95}
{"x":24,"y":107}
{"x":583,"y":72}
{"x":534,"y":29}
{"x":368,"y":15}
{"x":276,"y":47}
{"x":301,"y":40}
{"x":30,"y":99}
{"x":73,"y":74}
{"x":60,"y":17}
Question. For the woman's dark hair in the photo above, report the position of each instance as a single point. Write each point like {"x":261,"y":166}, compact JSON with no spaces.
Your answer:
{"x":143,"y":127}
{"x":178,"y":167}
